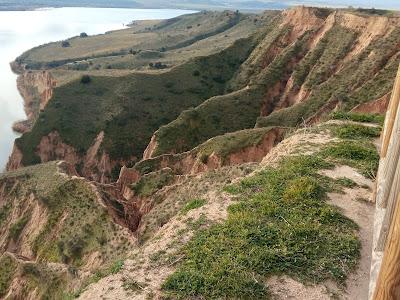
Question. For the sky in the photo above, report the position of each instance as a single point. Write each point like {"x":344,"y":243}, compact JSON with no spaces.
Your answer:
{"x":388,"y":4}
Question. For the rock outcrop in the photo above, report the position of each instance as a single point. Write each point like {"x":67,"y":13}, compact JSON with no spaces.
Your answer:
{"x":36,"y":88}
{"x":94,"y":165}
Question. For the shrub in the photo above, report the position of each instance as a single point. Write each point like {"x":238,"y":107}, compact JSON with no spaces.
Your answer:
{"x":8,"y":268}
{"x":350,"y":150}
{"x":355,"y":131}
{"x":16,"y":228}
{"x":65,"y":44}
{"x":117,"y":266}
{"x":75,"y":246}
{"x":193,"y":204}
{"x":358,"y":117}
{"x":362,"y":156}
{"x":85,"y":79}
{"x":346,"y":182}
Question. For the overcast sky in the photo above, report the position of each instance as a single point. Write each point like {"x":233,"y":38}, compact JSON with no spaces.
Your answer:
{"x":389,"y":4}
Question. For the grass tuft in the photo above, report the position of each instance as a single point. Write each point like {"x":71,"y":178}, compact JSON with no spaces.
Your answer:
{"x":193,"y":204}
{"x":355,"y":131}
{"x":8,"y":268}
{"x":362,"y":156}
{"x":358,"y":117}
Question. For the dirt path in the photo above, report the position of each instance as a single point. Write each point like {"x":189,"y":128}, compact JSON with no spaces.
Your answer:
{"x":356,"y":204}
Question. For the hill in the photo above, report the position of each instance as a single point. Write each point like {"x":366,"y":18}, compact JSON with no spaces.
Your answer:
{"x":268,"y":71}
{"x":217,"y":155}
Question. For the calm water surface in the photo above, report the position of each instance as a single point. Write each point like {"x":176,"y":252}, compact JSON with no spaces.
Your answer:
{"x":22,"y":30}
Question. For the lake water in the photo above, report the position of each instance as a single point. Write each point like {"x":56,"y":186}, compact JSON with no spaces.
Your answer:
{"x":22,"y":30}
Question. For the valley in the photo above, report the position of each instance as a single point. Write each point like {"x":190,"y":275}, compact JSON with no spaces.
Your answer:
{"x":215,"y":155}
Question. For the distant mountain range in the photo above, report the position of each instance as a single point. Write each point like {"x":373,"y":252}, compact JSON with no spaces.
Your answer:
{"x":192,"y":4}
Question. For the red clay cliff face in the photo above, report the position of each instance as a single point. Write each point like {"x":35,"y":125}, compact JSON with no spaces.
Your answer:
{"x":95,"y":165}
{"x":190,"y":162}
{"x":15,"y":159}
{"x":378,"y":106}
{"x":135,"y":206}
{"x":258,"y":152}
{"x":51,"y":147}
{"x":148,"y":153}
{"x":36,"y":88}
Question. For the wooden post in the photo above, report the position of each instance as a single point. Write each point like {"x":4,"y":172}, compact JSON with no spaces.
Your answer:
{"x":389,"y":165}
{"x":390,"y":151}
{"x":392,"y":203}
{"x":388,"y":283}
{"x":391,"y":115}
{"x":385,"y":265}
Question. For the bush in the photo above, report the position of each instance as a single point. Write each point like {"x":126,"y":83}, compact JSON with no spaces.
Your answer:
{"x":75,"y":247}
{"x":83,"y":35}
{"x":8,"y":268}
{"x":16,"y":228}
{"x":193,"y":204}
{"x":362,"y":156}
{"x":86,"y":79}
{"x":355,"y":131}
{"x":65,"y":44}
{"x":358,"y":117}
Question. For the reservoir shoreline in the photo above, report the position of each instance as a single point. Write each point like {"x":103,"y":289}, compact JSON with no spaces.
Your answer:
{"x":49,"y":25}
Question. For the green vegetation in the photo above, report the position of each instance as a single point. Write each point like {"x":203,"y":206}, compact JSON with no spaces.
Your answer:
{"x":281,"y":225}
{"x":346,"y":182}
{"x":372,"y":11}
{"x":129,"y":108}
{"x":85,"y":79}
{"x":17,"y":227}
{"x":198,"y":100}
{"x":83,"y":226}
{"x":152,"y":182}
{"x":4,"y":212}
{"x":8,"y":268}
{"x":359,"y":73}
{"x":330,"y":51}
{"x":223,"y":114}
{"x":358,"y":117}
{"x":356,"y":131}
{"x":111,"y":269}
{"x":166,"y":38}
{"x":230,"y":143}
{"x":361,"y":155}
{"x":193,"y":204}
{"x":168,"y":205}
{"x":44,"y":280}
{"x":85,"y":230}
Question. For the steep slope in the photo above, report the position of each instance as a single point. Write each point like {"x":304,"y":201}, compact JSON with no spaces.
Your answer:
{"x":56,"y":231}
{"x":146,"y":45}
{"x":197,"y":226}
{"x":300,"y":65}
{"x":127,"y":109}
{"x":108,"y":122}
{"x":309,"y":62}
{"x":219,"y":176}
